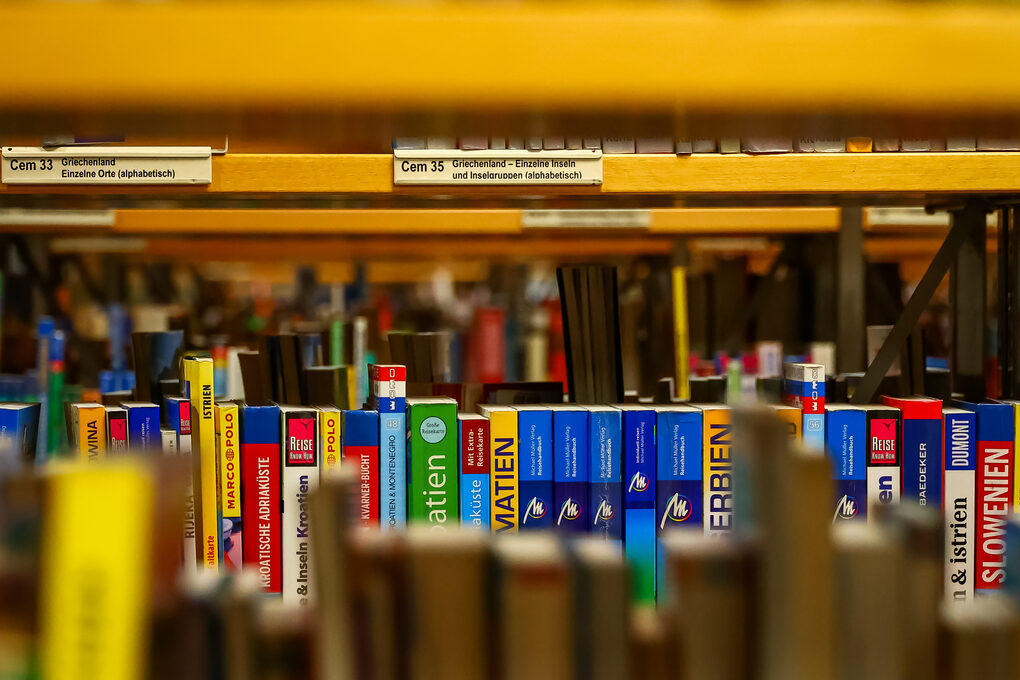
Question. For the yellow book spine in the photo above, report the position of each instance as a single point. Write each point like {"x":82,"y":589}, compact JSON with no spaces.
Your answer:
{"x":329,"y":433}
{"x":91,"y":434}
{"x":503,"y":477}
{"x":681,"y":335}
{"x":793,"y":418}
{"x":203,"y":443}
{"x":717,"y":471}
{"x":352,"y":387}
{"x":94,"y":598}
{"x":230,"y":469}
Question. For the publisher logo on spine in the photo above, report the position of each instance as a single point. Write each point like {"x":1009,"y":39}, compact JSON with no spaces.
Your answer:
{"x":604,"y":512}
{"x":846,"y":508}
{"x":301,"y":441}
{"x":678,"y":509}
{"x":569,"y":510}
{"x":433,"y":430}
{"x":638,"y":482}
{"x":883,"y":440}
{"x":536,"y":510}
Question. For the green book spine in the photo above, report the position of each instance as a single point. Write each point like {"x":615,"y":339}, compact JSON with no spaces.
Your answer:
{"x":432,"y":449}
{"x":336,"y":343}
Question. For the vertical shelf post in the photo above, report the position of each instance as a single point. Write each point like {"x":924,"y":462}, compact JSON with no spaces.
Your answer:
{"x":850,"y":323}
{"x":967,"y":300}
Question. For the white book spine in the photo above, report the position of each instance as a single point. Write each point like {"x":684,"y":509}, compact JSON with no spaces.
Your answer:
{"x":298,"y":483}
{"x":883,"y":489}
{"x":960,"y":494}
{"x":960,"y":512}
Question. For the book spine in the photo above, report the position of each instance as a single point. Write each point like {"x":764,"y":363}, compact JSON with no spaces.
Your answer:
{"x":169,"y":438}
{"x":883,"y":461}
{"x":116,"y":433}
{"x":230,"y":484}
{"x":94,"y":594}
{"x":806,"y":391}
{"x":994,"y":494}
{"x":393,"y":470}
{"x":794,"y":420}
{"x":179,"y":416}
{"x":570,"y":470}
{"x":388,"y":388}
{"x":260,"y":504}
{"x":717,"y":472}
{"x":361,"y":453}
{"x":503,"y":445}
{"x":606,"y":490}
{"x":534,"y":469}
{"x":300,"y":477}
{"x":92,"y":434}
{"x":143,"y":428}
{"x":960,"y":504}
{"x":847,"y":440}
{"x":678,"y":484}
{"x":473,"y":448}
{"x":1016,"y":468}
{"x":204,"y":442}
{"x":639,"y":472}
{"x":813,"y":431}
{"x":432,"y":436}
{"x":922,"y":460}
{"x":10,"y":433}
{"x":330,"y":442}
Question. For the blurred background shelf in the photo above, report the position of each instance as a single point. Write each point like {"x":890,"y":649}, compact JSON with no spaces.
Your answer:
{"x":912,"y":175}
{"x":492,"y":63}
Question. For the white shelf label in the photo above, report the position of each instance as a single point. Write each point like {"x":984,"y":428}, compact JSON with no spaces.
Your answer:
{"x":586,"y":219}
{"x":107,"y":165}
{"x":500,"y":167}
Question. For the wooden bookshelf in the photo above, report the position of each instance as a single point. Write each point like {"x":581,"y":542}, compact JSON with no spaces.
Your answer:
{"x":507,"y":221}
{"x":832,"y":175}
{"x":897,"y":57}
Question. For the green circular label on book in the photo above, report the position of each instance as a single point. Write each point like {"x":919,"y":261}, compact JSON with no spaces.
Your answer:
{"x":433,"y":430}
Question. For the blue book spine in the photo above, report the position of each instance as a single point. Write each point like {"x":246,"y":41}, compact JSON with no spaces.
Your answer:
{"x":173,"y":413}
{"x":922,"y":460}
{"x":678,"y":485}
{"x":534,"y":459}
{"x":473,"y":471}
{"x":393,"y":470}
{"x":606,"y":491}
{"x":143,"y":428}
{"x":639,"y":471}
{"x":813,"y":431}
{"x":848,"y":448}
{"x":570,"y":470}
{"x":10,"y":443}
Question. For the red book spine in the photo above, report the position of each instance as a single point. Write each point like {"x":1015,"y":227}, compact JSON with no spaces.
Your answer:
{"x":994,"y":498}
{"x":490,"y":345}
{"x":361,"y":453}
{"x":474,"y":453}
{"x":263,"y":495}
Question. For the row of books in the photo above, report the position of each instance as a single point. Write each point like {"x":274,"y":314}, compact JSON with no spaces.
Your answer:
{"x":624,"y":472}
{"x":750,"y":145}
{"x":784,"y":596}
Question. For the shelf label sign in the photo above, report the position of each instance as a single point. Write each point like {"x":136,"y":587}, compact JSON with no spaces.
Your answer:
{"x":106,"y":165}
{"x":586,"y":219}
{"x":496,"y":167}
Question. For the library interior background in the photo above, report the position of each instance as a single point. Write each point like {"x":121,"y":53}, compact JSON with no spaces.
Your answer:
{"x":510,"y":341}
